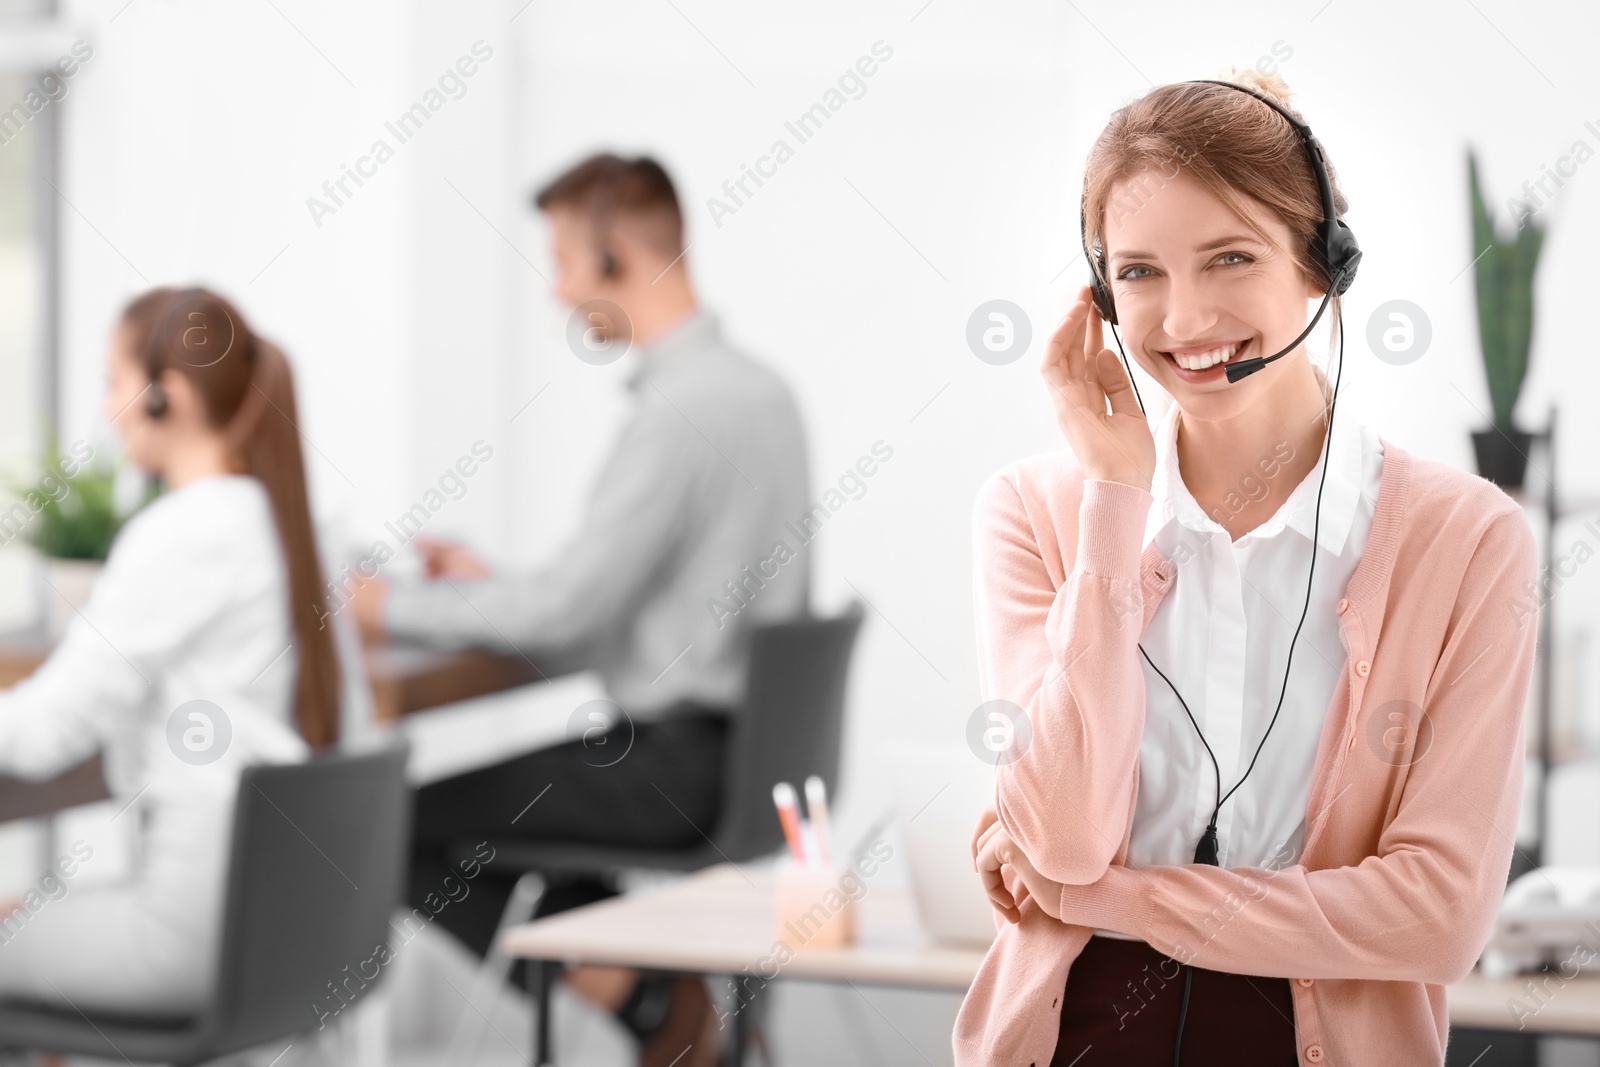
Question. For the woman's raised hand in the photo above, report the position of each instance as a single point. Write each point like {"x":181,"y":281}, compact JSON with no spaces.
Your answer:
{"x":1085,"y":378}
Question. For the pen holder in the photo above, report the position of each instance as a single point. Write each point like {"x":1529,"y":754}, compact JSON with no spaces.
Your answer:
{"x":816,"y":906}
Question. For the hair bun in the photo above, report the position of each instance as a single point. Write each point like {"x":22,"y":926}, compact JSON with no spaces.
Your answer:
{"x":1267,"y":83}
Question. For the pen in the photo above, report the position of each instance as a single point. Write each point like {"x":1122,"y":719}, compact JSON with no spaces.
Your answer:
{"x":789,"y":815}
{"x":808,"y":842}
{"x":817,"y":809}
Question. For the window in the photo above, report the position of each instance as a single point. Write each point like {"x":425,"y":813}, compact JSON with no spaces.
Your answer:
{"x":28,"y":215}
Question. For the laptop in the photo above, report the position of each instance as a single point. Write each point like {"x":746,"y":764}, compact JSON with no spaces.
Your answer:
{"x":939,"y":792}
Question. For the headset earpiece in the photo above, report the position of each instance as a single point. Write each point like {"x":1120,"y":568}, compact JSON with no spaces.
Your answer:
{"x":1342,"y":255}
{"x":1102,"y":298}
{"x":1098,"y":290}
{"x":155,"y":401}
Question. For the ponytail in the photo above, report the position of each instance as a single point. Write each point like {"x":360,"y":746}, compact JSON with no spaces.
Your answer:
{"x":247,"y":389}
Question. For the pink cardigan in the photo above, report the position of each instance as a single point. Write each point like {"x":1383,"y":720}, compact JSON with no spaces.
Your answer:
{"x":1412,"y":812}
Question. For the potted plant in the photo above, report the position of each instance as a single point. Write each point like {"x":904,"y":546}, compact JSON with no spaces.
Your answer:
{"x":70,"y":516}
{"x":1504,"y":274}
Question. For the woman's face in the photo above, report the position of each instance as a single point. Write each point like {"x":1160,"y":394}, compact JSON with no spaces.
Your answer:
{"x":124,"y":405}
{"x":1190,"y":279}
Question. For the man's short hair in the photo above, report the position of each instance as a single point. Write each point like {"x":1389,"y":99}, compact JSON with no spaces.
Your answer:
{"x":607,"y":188}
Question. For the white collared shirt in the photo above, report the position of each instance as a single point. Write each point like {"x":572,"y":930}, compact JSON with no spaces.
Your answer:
{"x":1222,"y":636}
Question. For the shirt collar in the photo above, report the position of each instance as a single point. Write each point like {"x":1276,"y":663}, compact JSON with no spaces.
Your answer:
{"x":693,"y":333}
{"x":1174,"y":502}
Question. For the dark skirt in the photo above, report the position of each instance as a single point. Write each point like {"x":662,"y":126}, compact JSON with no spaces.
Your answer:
{"x":1121,"y":1003}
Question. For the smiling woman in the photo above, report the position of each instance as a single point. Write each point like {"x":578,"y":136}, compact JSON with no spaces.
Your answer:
{"x":1134,"y":835}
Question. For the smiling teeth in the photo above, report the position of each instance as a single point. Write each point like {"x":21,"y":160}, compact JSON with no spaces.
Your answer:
{"x":1202,"y":360}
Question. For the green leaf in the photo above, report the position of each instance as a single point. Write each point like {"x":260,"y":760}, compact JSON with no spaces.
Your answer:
{"x":69,"y":517}
{"x":1503,"y":272}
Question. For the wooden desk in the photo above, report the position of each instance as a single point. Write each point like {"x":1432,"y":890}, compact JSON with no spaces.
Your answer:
{"x":721,"y":921}
{"x":20,"y":656}
{"x":405,"y":678}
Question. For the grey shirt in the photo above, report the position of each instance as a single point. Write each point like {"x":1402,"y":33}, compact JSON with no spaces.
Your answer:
{"x":682,"y":546}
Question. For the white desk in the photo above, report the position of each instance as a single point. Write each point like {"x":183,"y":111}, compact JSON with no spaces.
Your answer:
{"x":717,"y":922}
{"x":720,"y":921}
{"x":1571,"y":1007}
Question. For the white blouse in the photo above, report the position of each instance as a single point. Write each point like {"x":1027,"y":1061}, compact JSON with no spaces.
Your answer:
{"x":1222,"y":635}
{"x":191,"y":605}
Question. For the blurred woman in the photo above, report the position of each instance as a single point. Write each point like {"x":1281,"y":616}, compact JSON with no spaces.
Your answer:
{"x":199,"y":652}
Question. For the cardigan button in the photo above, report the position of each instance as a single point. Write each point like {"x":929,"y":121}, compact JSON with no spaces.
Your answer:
{"x":1363,"y":668}
{"x":1305,"y":983}
{"x":1313,"y":1053}
{"x":1344,"y":605}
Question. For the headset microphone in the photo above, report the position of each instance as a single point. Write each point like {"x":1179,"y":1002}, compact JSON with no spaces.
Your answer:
{"x":1246,"y":367}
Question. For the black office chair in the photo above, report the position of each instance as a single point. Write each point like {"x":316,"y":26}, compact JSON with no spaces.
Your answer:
{"x":314,"y":875}
{"x":788,"y":726}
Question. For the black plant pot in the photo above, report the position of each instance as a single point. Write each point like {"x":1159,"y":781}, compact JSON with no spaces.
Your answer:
{"x":1502,"y":455}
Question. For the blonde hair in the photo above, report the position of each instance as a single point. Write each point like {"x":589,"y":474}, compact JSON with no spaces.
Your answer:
{"x":1234,"y":145}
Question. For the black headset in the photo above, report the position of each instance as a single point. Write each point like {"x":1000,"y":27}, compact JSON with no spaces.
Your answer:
{"x":1334,"y":248}
{"x":604,"y":206}
{"x":155,"y":400}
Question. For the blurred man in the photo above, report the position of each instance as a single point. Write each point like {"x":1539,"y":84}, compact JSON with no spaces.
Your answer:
{"x":657,"y":591}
